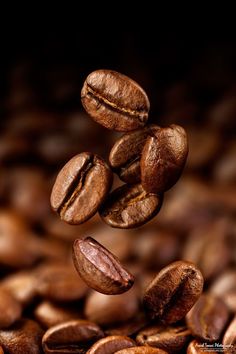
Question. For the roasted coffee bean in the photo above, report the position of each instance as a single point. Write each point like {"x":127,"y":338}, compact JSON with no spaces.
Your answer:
{"x":22,"y":286}
{"x":125,"y":155}
{"x":22,"y":338}
{"x":196,"y":347}
{"x":59,"y":282}
{"x":10,"y":309}
{"x":173,"y":292}
{"x":229,"y":339}
{"x":80,"y":188}
{"x":130,"y":206}
{"x":111,"y":344}
{"x":115,"y":101}
{"x":163,"y":158}
{"x":106,"y":309}
{"x":141,"y":350}
{"x":208,"y":318}
{"x":71,"y":337}
{"x":49,"y":314}
{"x":171,"y":338}
{"x":225,"y":287}
{"x":99,"y":268}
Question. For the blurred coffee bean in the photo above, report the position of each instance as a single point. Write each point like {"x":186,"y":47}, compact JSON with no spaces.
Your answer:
{"x":22,"y":338}
{"x":115,"y":101}
{"x":208,"y":318}
{"x":13,"y":147}
{"x":59,"y":282}
{"x":224,"y":171}
{"x":111,"y":344}
{"x":1,"y":350}
{"x":29,"y":192}
{"x":173,"y":292}
{"x":125,"y":155}
{"x":22,"y":285}
{"x":141,"y":350}
{"x":208,"y":247}
{"x":229,"y":339}
{"x":197,"y":347}
{"x":130,"y":206}
{"x":155,"y":247}
{"x":109,"y":309}
{"x":163,"y":158}
{"x":49,"y":314}
{"x":204,"y":144}
{"x":71,"y":337}
{"x":225,"y":287}
{"x":14,"y":236}
{"x":80,"y":188}
{"x":128,"y":328}
{"x":172,"y":338}
{"x":99,"y":268}
{"x":10,"y":309}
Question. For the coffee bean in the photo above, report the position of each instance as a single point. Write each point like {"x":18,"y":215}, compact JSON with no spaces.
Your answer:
{"x":130,"y":206}
{"x":125,"y":155}
{"x":49,"y":314}
{"x":171,"y":338}
{"x":10,"y":309}
{"x":141,"y":350}
{"x":208,"y":318}
{"x":196,"y":347}
{"x":115,"y":101}
{"x":225,"y":287}
{"x":111,"y":344}
{"x":22,"y":338}
{"x":71,"y":337}
{"x":163,"y":158}
{"x":109,"y":309}
{"x":99,"y":268}
{"x":59,"y":282}
{"x":173,"y":292}
{"x":80,"y":188}
{"x":229,"y":339}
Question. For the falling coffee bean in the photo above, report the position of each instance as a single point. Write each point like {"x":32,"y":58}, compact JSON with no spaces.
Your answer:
{"x":125,"y":155}
{"x":80,"y":188}
{"x":141,"y":350}
{"x":115,"y":101}
{"x":171,"y":338}
{"x":99,"y":268}
{"x":130,"y":206}
{"x":229,"y":339}
{"x":71,"y":337}
{"x":208,"y":318}
{"x":111,"y":344}
{"x":163,"y":158}
{"x":173,"y":292}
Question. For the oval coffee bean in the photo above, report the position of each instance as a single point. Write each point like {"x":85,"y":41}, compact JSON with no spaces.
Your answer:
{"x":171,"y":338}
{"x":71,"y":337}
{"x":130,"y":206}
{"x":10,"y":309}
{"x":173,"y":292}
{"x":141,"y":350}
{"x":22,"y":338}
{"x":81,"y":187}
{"x":100,"y":269}
{"x":125,"y":155}
{"x":115,"y":101}
{"x":229,"y":339}
{"x":208,"y":318}
{"x":111,"y":344}
{"x":163,"y":158}
{"x":196,"y":347}
{"x":109,"y":309}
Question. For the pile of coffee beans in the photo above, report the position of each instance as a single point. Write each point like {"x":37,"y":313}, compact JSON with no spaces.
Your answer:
{"x":133,"y":283}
